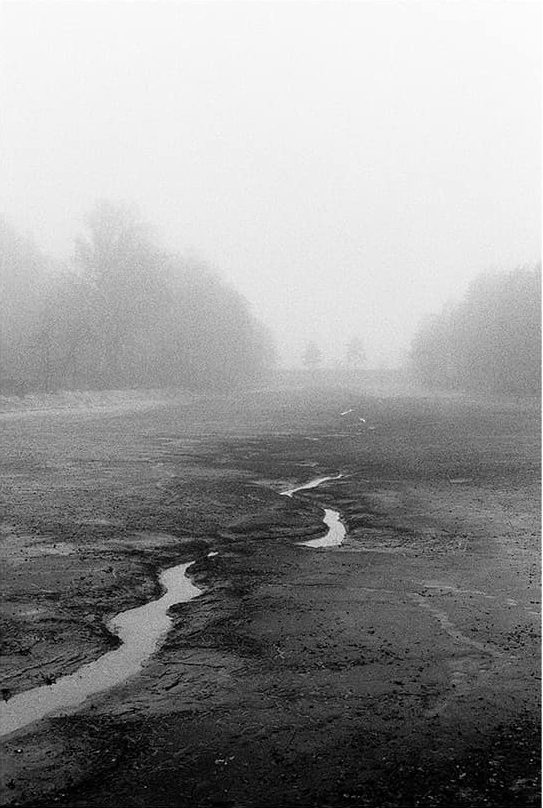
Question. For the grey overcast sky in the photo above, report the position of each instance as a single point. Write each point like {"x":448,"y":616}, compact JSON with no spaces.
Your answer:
{"x":349,"y":166}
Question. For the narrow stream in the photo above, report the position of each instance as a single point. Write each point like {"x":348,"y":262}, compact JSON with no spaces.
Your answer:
{"x":336,"y":529}
{"x":140,"y":631}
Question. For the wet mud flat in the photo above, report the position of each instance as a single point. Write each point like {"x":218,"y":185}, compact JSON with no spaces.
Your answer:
{"x":400,"y":668}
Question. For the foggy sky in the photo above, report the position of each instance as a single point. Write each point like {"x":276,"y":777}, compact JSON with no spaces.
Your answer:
{"x":349,"y":166}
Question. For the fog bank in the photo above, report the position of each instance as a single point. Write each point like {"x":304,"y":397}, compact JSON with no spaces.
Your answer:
{"x":351,"y":166}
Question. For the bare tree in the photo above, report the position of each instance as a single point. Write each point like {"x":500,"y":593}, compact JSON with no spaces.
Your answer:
{"x":356,"y":355}
{"x":312,"y":356}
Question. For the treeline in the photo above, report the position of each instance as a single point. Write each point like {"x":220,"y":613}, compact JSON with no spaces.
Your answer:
{"x":123,"y":313}
{"x":490,"y":341}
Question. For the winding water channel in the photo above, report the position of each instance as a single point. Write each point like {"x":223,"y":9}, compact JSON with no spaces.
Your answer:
{"x":140,"y":631}
{"x":336,"y":529}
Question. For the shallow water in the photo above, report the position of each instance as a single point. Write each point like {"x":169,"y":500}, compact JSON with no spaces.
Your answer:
{"x":311,"y":484}
{"x":140,"y":631}
{"x":336,"y":529}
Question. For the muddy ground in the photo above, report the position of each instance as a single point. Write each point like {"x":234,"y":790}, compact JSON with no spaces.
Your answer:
{"x":401,"y":669}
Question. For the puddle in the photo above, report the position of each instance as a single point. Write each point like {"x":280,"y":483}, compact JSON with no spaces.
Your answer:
{"x":140,"y":631}
{"x":336,"y":529}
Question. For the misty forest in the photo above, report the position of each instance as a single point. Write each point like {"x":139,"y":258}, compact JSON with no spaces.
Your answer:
{"x":270,"y":388}
{"x":122,"y":312}
{"x":489,"y":341}
{"x":125,"y":313}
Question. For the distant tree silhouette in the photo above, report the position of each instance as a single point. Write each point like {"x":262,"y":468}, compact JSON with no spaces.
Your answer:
{"x":124,"y":313}
{"x":356,"y":355}
{"x":490,"y":341}
{"x":312,"y":356}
